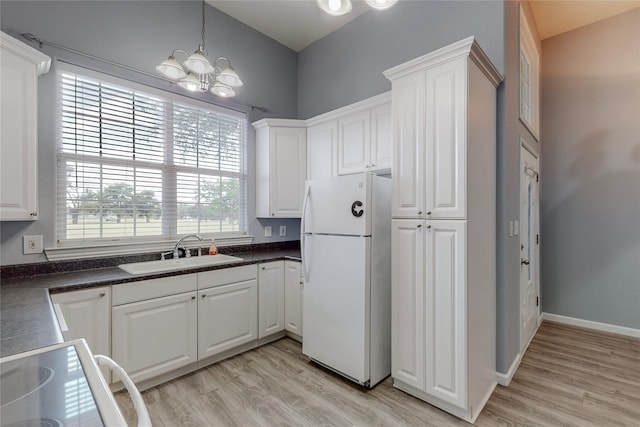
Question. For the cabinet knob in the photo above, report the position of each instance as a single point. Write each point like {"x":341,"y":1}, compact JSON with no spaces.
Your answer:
{"x":194,"y":297}
{"x":263,"y":267}
{"x":419,"y":225}
{"x":419,"y":212}
{"x":273,"y":214}
{"x":428,"y":212}
{"x":203,"y":296}
{"x":34,"y":214}
{"x":101,"y":294}
{"x":428,"y":227}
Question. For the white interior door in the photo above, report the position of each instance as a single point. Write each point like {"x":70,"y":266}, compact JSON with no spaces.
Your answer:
{"x":529,"y":240}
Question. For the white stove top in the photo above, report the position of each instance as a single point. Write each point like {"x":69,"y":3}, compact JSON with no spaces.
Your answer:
{"x":57,"y":386}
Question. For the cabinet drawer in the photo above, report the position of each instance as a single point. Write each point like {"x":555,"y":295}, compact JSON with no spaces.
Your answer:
{"x":210,"y":279}
{"x":154,"y":288}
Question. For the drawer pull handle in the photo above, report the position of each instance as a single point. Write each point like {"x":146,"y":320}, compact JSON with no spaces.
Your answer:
{"x":101,"y":294}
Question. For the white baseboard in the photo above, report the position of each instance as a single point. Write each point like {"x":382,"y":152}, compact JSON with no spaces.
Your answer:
{"x":505,"y":379}
{"x":589,"y":324}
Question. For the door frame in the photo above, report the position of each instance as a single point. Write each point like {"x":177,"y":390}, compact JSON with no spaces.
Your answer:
{"x":525,"y":145}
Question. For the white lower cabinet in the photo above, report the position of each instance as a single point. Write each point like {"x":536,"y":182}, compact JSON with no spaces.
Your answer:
{"x":293,"y":285}
{"x":227,"y":309}
{"x":157,"y":335}
{"x":86,"y":314}
{"x":227,"y":317}
{"x":429,"y":308}
{"x":270,"y":298}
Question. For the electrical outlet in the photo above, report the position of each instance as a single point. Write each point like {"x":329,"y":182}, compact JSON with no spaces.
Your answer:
{"x":267,"y":231}
{"x":283,"y":230}
{"x":32,"y":244}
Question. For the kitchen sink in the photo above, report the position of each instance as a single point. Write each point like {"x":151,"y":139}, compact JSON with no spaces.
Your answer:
{"x":160,"y":266}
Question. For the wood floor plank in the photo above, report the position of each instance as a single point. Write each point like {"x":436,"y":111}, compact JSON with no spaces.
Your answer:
{"x":569,"y":377}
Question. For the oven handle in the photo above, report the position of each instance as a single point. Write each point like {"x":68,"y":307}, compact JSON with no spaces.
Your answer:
{"x":136,"y":398}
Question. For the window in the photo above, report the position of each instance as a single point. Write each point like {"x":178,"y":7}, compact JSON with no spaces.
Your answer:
{"x":135,"y":163}
{"x":529,"y":78}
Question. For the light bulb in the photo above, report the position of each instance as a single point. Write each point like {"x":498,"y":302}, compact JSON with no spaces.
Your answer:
{"x":334,"y":5}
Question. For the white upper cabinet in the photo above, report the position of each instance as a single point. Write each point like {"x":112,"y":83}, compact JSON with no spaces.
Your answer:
{"x":322,"y":148}
{"x":446,"y":140}
{"x":381,"y":151}
{"x":352,"y":139}
{"x":354,"y":142}
{"x":281,"y":159}
{"x":408,"y":195}
{"x":19,"y":70}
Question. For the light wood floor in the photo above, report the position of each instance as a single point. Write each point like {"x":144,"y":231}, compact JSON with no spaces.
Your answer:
{"x":569,"y":376}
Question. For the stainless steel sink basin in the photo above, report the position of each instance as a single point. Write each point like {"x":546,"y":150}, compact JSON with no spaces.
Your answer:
{"x":160,"y":266}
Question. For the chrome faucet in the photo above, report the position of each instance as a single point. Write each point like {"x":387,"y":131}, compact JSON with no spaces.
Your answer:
{"x":176,"y":252}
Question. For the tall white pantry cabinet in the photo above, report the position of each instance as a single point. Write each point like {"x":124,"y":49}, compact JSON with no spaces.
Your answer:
{"x":444,"y":225}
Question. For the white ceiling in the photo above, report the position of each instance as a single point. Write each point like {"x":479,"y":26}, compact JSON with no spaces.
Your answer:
{"x":294,"y":23}
{"x":298,"y":23}
{"x":554,"y":17}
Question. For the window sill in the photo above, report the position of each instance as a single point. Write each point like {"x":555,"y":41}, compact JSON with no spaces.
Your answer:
{"x":132,"y":248}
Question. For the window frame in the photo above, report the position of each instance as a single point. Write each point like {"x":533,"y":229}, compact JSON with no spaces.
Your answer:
{"x":528,"y":48}
{"x":109,"y":246}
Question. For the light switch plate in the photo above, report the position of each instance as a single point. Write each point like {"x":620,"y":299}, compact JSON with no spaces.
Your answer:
{"x":32,"y":244}
{"x":267,"y":231}
{"x":283,"y":230}
{"x":510,"y":228}
{"x":516,"y":227}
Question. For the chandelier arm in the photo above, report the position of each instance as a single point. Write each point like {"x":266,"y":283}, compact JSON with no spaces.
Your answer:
{"x":181,"y":51}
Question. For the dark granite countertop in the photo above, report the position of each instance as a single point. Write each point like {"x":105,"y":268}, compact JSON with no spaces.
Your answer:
{"x":27,"y":317}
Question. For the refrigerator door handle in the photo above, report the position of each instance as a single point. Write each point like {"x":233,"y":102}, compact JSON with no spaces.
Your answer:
{"x":303,"y":232}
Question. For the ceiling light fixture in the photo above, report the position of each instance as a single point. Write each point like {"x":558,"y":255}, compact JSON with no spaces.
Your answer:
{"x":200,"y":74}
{"x":381,"y":4}
{"x":342,"y":7}
{"x":335,"y":7}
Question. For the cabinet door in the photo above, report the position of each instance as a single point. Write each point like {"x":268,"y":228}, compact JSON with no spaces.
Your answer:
{"x":408,"y":199}
{"x":18,"y":138}
{"x":446,"y":140}
{"x":270,"y":298}
{"x":381,"y":139}
{"x":322,"y":141}
{"x":446,"y":321}
{"x":407,"y":302}
{"x":293,"y":297}
{"x":86,"y":314}
{"x":354,"y":142}
{"x":155,"y":336}
{"x":227,"y":317}
{"x":288,"y":171}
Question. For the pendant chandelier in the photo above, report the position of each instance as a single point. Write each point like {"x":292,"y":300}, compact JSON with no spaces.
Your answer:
{"x":342,"y":7}
{"x":198,"y":74}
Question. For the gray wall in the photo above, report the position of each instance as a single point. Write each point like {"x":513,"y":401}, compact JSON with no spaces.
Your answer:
{"x":591,"y":172}
{"x":346,"y":66}
{"x":141,"y":34}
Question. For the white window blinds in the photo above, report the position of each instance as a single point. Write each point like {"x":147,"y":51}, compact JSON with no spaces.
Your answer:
{"x":135,"y":161}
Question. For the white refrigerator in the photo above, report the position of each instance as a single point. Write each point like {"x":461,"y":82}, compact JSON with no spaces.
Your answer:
{"x":346,"y":262}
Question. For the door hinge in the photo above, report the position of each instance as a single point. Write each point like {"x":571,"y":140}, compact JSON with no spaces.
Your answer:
{"x":537,"y":239}
{"x":537,"y":301}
